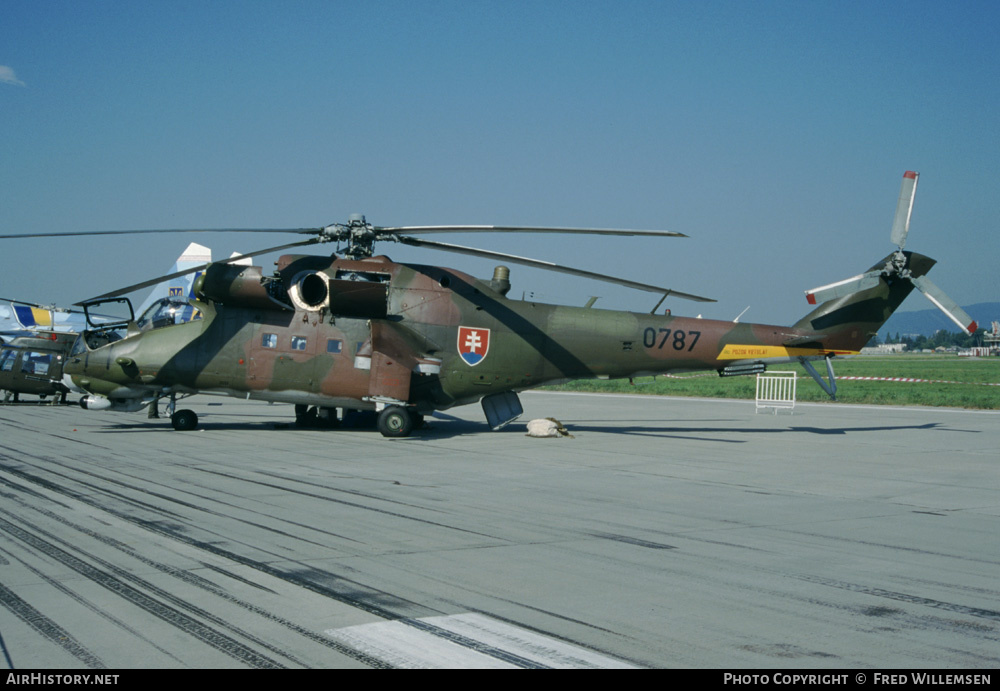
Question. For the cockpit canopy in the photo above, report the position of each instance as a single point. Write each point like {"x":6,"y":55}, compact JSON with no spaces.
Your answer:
{"x":168,"y":312}
{"x":164,"y":312}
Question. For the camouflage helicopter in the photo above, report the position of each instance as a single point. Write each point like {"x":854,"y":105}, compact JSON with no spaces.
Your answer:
{"x":32,"y":364}
{"x":361,"y":332}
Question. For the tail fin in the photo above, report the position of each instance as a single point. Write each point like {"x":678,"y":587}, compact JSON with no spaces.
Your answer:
{"x":848,"y":322}
{"x":864,"y":295}
{"x":194,"y":255}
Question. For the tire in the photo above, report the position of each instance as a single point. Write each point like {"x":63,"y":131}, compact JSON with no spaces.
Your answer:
{"x":395,"y":421}
{"x":184,"y":420}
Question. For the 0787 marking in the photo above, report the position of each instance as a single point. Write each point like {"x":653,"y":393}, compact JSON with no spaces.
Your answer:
{"x":679,"y":341}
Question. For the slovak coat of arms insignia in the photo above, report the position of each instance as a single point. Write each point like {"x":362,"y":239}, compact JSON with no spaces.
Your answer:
{"x":473,"y":344}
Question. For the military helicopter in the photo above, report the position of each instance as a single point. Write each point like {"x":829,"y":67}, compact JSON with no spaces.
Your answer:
{"x":34,"y":341}
{"x":361,"y":332}
{"x":32,"y":364}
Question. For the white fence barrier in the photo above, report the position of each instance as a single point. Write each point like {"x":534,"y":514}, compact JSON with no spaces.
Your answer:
{"x":776,"y":390}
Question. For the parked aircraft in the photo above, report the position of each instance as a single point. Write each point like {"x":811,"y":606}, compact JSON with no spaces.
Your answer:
{"x":362,"y":332}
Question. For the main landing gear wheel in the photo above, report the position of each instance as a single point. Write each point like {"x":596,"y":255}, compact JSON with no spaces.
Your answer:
{"x":395,"y":421}
{"x":184,"y":420}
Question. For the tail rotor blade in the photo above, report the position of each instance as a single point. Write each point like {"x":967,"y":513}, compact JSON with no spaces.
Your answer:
{"x":843,"y":288}
{"x":904,"y":209}
{"x":945,"y":304}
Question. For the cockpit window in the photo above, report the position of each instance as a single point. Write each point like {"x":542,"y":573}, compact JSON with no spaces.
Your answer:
{"x":36,"y":363}
{"x":95,"y":338}
{"x":168,"y":312}
{"x":92,"y":340}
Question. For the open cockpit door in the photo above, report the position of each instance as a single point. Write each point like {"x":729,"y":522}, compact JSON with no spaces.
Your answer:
{"x":110,"y":313}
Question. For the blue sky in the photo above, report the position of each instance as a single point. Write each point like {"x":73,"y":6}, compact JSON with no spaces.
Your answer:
{"x":775,"y":134}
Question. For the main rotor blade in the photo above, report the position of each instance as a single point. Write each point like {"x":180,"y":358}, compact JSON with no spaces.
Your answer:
{"x":201,"y":267}
{"x":379,"y":229}
{"x":423,"y":230}
{"x":840,"y":289}
{"x":904,"y":209}
{"x":539,"y":264}
{"x":301,"y":231}
{"x":945,"y":304}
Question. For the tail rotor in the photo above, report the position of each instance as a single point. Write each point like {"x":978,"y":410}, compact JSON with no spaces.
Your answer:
{"x":897,"y":265}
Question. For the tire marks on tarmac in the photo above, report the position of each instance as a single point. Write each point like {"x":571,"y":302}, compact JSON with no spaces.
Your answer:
{"x":334,"y":586}
{"x":47,"y":628}
{"x":97,"y":610}
{"x":162,"y":604}
{"x":136,"y":591}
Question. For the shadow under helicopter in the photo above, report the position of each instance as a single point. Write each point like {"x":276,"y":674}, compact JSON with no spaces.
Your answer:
{"x":442,"y":426}
{"x":686,"y":432}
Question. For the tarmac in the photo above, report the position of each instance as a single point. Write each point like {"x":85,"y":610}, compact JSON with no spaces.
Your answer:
{"x":665,"y":532}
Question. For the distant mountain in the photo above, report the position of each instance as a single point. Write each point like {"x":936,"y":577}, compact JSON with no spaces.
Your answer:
{"x":927,"y":322}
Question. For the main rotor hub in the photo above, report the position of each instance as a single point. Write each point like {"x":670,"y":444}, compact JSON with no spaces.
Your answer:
{"x":360,"y":236}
